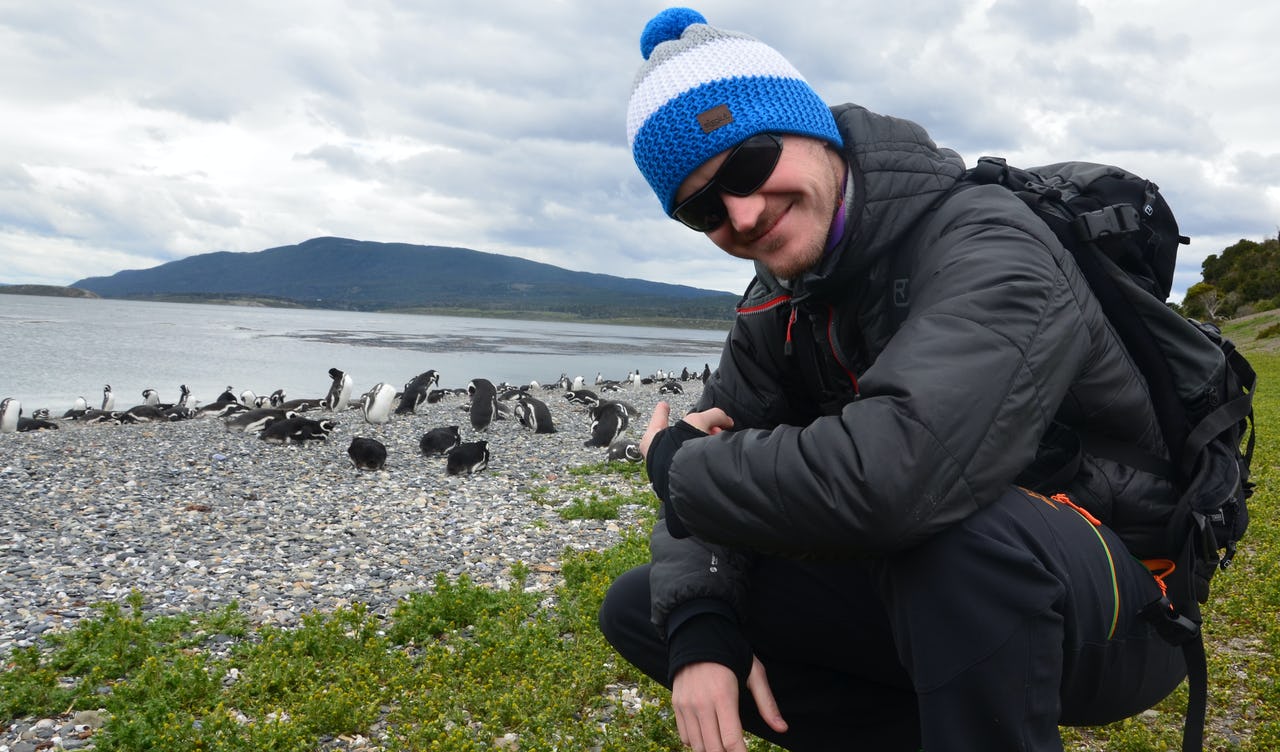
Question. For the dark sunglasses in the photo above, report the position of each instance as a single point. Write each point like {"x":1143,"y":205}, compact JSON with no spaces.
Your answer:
{"x":741,"y":174}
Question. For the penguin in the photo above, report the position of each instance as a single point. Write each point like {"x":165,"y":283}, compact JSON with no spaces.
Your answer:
{"x":262,"y":400}
{"x":608,"y":421}
{"x":631,"y":410}
{"x":297,"y":430}
{"x":706,"y":372}
{"x":10,"y":412}
{"x":416,"y":391}
{"x":468,"y":458}
{"x":249,"y":399}
{"x":578,"y":383}
{"x":227,"y":396}
{"x":624,"y":450}
{"x":533,"y":414}
{"x":254,"y":420}
{"x":276,"y":399}
{"x":179,"y":412}
{"x":670,"y":387}
{"x":484,"y":403}
{"x":367,"y":454}
{"x":220,"y":409}
{"x":302,"y":404}
{"x":35,"y":424}
{"x":184,"y":396}
{"x":143,"y":414}
{"x":376,"y":403}
{"x":150,"y":397}
{"x":439,"y":440}
{"x":108,"y":399}
{"x":339,"y":395}
{"x":100,"y":416}
{"x":582,"y":397}
{"x":77,"y":410}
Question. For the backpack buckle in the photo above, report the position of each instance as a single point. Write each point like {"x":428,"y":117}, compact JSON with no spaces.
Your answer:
{"x":1117,"y":219}
{"x":1175,"y":628}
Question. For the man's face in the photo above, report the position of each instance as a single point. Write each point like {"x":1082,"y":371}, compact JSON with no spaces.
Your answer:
{"x":784,"y":224}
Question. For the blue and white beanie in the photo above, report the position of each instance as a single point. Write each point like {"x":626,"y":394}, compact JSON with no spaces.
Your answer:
{"x":702,"y":90}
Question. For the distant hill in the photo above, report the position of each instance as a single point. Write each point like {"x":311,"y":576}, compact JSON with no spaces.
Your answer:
{"x":55,"y":291}
{"x":363,"y":275}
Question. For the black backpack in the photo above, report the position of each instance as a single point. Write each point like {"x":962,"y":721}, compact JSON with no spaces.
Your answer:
{"x":1125,"y":240}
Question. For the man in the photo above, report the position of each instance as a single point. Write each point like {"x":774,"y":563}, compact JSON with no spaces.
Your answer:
{"x":847,"y":558}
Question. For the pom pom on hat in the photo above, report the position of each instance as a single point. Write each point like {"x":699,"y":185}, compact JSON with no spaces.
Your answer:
{"x":702,"y":90}
{"x":667,"y":26}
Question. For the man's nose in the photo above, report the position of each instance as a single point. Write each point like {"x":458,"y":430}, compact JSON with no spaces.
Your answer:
{"x":743,"y":212}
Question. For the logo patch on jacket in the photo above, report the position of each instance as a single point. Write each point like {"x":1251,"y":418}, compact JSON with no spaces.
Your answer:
{"x":902,"y":292}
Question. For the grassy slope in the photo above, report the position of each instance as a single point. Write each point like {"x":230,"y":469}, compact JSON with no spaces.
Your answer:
{"x":463,"y":667}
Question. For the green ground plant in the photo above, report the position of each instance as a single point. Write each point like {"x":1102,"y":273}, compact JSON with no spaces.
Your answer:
{"x":464,"y":667}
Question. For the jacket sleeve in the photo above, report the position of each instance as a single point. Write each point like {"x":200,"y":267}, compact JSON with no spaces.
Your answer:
{"x":948,"y":414}
{"x":686,"y":570}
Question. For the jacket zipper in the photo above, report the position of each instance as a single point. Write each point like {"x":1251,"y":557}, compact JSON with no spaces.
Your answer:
{"x":835,"y":355}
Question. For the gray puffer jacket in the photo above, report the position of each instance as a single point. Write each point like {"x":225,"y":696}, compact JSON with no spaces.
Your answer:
{"x":904,"y":384}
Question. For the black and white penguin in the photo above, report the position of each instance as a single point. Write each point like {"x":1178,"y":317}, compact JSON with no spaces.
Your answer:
{"x":367,"y":454}
{"x":179,"y":412}
{"x":108,"y":399}
{"x":376,"y":403}
{"x":439,"y":440}
{"x":227,"y":396}
{"x":302,"y":404}
{"x":624,"y":450}
{"x":533,"y":414}
{"x":249,"y":399}
{"x":416,"y":391}
{"x":276,"y":398}
{"x":184,"y":396}
{"x":143,"y":414}
{"x":706,"y":372}
{"x":339,"y":396}
{"x":608,"y":421}
{"x":469,"y":457}
{"x":250,"y":421}
{"x":151,"y":397}
{"x":35,"y":424}
{"x":10,"y":412}
{"x":484,"y":403}
{"x":670,"y":387}
{"x":297,"y":430}
{"x":220,"y":409}
{"x":78,"y":409}
{"x":584,"y":397}
{"x":632,"y":412}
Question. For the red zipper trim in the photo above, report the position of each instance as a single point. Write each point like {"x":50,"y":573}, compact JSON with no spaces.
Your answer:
{"x":831,"y":342}
{"x":766,"y":305}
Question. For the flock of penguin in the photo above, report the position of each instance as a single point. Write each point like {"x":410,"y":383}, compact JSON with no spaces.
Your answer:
{"x":276,"y":419}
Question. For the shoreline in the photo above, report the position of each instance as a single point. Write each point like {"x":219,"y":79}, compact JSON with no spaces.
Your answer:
{"x":194,"y":516}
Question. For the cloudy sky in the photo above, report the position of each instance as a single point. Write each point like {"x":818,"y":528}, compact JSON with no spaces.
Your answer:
{"x":135,"y":133}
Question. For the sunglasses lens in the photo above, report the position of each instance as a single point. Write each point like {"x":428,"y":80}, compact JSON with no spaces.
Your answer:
{"x":746,"y":168}
{"x":703,"y":211}
{"x":752,"y":164}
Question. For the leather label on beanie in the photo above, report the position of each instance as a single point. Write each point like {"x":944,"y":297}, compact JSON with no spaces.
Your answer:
{"x":715,"y":117}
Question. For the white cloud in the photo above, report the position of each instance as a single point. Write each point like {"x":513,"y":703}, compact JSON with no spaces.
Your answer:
{"x":139,"y":132}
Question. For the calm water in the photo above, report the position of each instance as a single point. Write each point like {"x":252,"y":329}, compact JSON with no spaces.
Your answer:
{"x":56,"y":349}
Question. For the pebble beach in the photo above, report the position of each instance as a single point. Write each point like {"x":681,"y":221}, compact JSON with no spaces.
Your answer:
{"x":194,"y":516}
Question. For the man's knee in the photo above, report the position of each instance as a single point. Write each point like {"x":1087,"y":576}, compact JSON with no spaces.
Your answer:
{"x":624,"y":622}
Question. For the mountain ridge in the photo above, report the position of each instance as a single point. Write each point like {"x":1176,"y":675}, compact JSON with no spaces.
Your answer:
{"x":342,"y":273}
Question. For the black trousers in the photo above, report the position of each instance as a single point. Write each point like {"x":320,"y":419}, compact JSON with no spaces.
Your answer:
{"x":986,"y":637}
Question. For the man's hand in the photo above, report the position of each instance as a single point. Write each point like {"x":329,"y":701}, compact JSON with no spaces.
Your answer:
{"x":705,"y":698}
{"x":711,"y":421}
